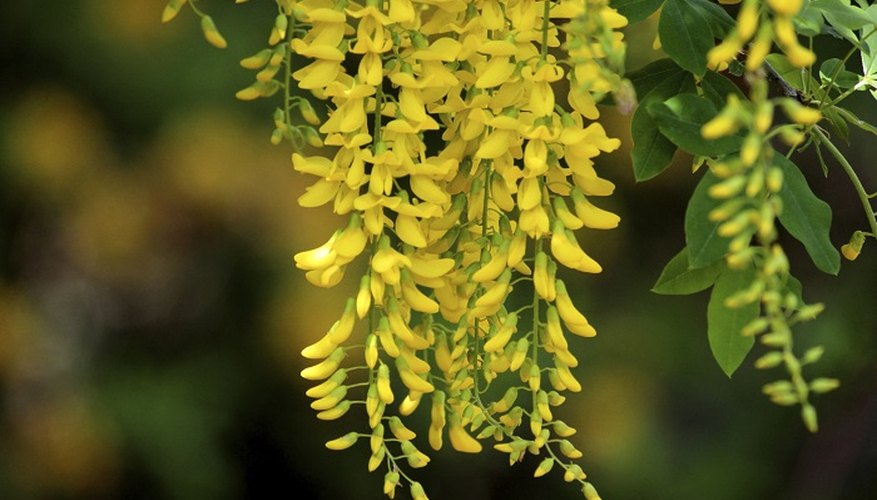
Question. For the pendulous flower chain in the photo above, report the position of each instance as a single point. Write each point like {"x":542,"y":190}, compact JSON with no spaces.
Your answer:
{"x":459,"y":142}
{"x":751,"y":181}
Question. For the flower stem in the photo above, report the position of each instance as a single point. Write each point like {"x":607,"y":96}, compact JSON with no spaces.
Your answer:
{"x":851,"y":173}
{"x":543,"y":50}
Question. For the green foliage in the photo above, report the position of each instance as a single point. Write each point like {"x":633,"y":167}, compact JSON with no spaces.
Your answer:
{"x":724,"y":323}
{"x":717,"y":87}
{"x":842,"y":16}
{"x":679,"y":278}
{"x":704,"y":244}
{"x":680,"y":96}
{"x":680,"y":119}
{"x":652,"y":152}
{"x":685,"y":34}
{"x":806,"y":217}
{"x":833,"y":72}
{"x":637,"y":10}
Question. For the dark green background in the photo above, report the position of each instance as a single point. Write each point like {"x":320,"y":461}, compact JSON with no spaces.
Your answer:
{"x":151,"y":316}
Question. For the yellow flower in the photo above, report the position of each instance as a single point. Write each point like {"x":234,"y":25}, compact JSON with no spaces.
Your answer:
{"x":785,"y":7}
{"x":343,"y":442}
{"x":747,"y":20}
{"x":592,"y":216}
{"x":318,"y":74}
{"x":723,"y":52}
{"x":801,"y":114}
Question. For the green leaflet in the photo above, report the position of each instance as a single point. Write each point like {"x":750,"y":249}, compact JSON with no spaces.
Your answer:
{"x":652,"y":152}
{"x":809,"y":22}
{"x":724,"y":324}
{"x":852,"y":119}
{"x":839,"y":127}
{"x":680,"y":120}
{"x":719,"y":21}
{"x":842,"y":14}
{"x":717,"y":88}
{"x":845,"y":79}
{"x":651,"y":75}
{"x":806,"y":217}
{"x":678,"y":278}
{"x":791,"y":75}
{"x":704,"y":245}
{"x":686,"y":35}
{"x":636,"y":10}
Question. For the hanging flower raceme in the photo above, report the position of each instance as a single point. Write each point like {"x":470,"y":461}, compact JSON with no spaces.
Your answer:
{"x":449,"y":228}
{"x":751,"y":185}
{"x":760,"y":23}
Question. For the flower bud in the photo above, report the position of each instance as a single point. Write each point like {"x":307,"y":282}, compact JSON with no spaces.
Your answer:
{"x":257,"y":60}
{"x":391,"y":480}
{"x":211,"y":34}
{"x":808,"y":414}
{"x":812,"y":355}
{"x":801,"y":114}
{"x":785,"y":7}
{"x":343,"y":442}
{"x":588,"y":489}
{"x":171,"y":10}
{"x":852,"y":249}
{"x":769,"y":360}
{"x":544,"y":467}
{"x":747,"y":20}
{"x":823,"y":385}
{"x":569,"y":450}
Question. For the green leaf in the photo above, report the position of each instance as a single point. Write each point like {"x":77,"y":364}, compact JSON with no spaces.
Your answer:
{"x":736,"y":68}
{"x":809,"y":22}
{"x":822,"y":164}
{"x":717,"y":88}
{"x":852,"y":119}
{"x":704,"y":244}
{"x":845,"y":79}
{"x":842,"y":15}
{"x":806,"y":217}
{"x":678,"y":278}
{"x":724,"y":324}
{"x":719,"y":21}
{"x":636,"y":10}
{"x":686,"y":35}
{"x":838,"y":124}
{"x":869,"y":52}
{"x":651,"y":75}
{"x":785,"y":70}
{"x":652,"y":153}
{"x":680,"y":120}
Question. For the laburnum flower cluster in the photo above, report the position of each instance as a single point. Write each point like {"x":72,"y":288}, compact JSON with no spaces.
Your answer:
{"x":761,"y":23}
{"x":750,"y":188}
{"x":459,"y":141}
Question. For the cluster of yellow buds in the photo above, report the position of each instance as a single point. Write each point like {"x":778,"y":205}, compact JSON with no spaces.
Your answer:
{"x":751,"y":179}
{"x":762,"y":22}
{"x":749,"y":189}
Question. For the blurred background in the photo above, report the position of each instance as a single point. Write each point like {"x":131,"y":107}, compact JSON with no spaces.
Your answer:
{"x":151,"y":316}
